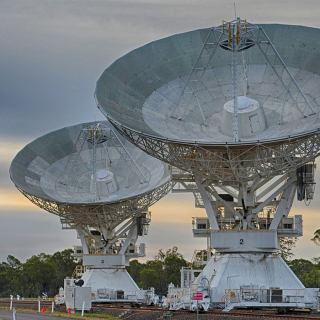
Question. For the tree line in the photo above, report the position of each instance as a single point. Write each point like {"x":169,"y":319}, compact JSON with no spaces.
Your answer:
{"x":159,"y":272}
{"x":46,"y":273}
{"x":40,"y":273}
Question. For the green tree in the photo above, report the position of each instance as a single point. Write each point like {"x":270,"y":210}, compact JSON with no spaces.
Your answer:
{"x":41,"y":273}
{"x":166,"y":266}
{"x":134,"y":270}
{"x":163,"y":269}
{"x":149,"y":278}
{"x":11,"y":277}
{"x":316,"y":238}
{"x":172,"y":267}
{"x":158,"y":267}
{"x":65,"y":265}
{"x":300,"y":266}
{"x":286,"y":248}
{"x":170,"y":252}
{"x":64,"y":261}
{"x":311,"y":279}
{"x":13,"y":262}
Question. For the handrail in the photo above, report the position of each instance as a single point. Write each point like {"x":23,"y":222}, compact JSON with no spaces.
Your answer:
{"x":79,"y":269}
{"x":228,"y":293}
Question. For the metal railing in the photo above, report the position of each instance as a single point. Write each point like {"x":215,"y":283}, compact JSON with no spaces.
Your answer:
{"x":201,"y":257}
{"x":112,"y":295}
{"x":79,"y":271}
{"x":263,"y":295}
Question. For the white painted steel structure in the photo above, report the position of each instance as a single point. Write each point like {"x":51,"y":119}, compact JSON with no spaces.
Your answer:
{"x":101,"y":185}
{"x":236,"y":109}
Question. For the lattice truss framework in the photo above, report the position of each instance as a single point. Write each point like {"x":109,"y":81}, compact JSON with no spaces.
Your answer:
{"x":100,"y":215}
{"x":270,"y":202}
{"x":229,"y":164}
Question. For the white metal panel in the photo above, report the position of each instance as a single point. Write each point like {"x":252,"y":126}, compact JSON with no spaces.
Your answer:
{"x":112,"y":279}
{"x":263,"y":270}
{"x":255,"y":124}
{"x":244,"y":240}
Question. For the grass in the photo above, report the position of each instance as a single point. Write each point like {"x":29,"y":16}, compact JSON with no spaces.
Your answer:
{"x":87,"y":316}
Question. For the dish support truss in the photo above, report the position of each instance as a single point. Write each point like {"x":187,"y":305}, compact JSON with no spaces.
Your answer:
{"x":108,"y":233}
{"x":259,"y":205}
{"x":230,"y":164}
{"x":100,"y":214}
{"x":243,"y":225}
{"x":104,"y":217}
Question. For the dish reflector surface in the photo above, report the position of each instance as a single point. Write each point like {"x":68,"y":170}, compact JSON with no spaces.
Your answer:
{"x":140,"y":91}
{"x":39,"y":167}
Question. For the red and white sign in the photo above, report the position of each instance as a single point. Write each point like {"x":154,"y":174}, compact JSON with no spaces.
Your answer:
{"x":198,"y":296}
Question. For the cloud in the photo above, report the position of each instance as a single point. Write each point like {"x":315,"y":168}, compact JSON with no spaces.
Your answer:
{"x":26,"y":233}
{"x":11,"y":200}
{"x":53,"y":52}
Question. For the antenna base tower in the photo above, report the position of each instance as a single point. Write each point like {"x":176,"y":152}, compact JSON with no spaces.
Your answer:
{"x":236,"y":109}
{"x":254,"y":280}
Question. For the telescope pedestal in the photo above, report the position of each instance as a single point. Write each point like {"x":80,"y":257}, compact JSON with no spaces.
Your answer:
{"x":246,"y":271}
{"x":253,"y":280}
{"x":112,"y":284}
{"x":108,"y":279}
{"x":106,"y":252}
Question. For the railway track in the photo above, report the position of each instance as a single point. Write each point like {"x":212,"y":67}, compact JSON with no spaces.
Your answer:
{"x":252,"y":314}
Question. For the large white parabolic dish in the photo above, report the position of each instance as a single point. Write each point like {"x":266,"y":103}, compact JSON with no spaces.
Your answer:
{"x":140,"y":91}
{"x":38,"y":168}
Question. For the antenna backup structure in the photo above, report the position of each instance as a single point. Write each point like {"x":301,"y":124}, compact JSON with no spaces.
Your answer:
{"x":102,"y":186}
{"x":236,"y":109}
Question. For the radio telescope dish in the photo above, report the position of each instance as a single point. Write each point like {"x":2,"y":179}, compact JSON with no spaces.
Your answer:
{"x":101,"y":185}
{"x":236,"y":109}
{"x":55,"y":171}
{"x":175,"y":97}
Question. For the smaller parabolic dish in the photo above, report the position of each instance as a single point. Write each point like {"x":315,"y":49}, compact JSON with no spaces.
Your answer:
{"x":66,"y":167}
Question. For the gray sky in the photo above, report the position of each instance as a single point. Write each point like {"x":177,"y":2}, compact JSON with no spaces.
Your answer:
{"x":53,"y":52}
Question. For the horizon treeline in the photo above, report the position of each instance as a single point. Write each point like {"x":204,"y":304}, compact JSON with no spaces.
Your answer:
{"x":46,"y":273}
{"x":40,"y":273}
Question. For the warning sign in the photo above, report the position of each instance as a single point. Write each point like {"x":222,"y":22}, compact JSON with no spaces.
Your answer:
{"x":198,"y":296}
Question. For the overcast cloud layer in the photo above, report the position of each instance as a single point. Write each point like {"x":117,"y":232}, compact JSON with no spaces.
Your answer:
{"x":53,"y":52}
